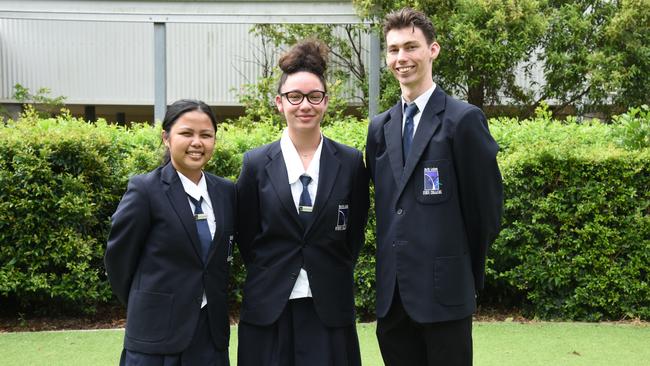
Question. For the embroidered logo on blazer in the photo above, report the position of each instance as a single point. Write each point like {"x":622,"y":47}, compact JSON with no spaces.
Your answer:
{"x":431,"y":182}
{"x":342,"y":219}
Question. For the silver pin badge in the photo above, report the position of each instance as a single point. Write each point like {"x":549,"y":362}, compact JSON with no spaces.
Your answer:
{"x":305,"y":208}
{"x":230,"y":244}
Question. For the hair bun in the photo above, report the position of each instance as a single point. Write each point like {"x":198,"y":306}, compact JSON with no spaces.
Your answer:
{"x":308,"y":55}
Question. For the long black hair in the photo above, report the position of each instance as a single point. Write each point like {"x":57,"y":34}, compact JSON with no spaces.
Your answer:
{"x":179,"y":108}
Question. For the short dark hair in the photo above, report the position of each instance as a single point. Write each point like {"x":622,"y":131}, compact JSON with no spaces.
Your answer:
{"x":407,"y":17}
{"x":179,"y":108}
{"x":309,"y":55}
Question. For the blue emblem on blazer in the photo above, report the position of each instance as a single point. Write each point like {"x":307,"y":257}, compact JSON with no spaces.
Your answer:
{"x":342,"y":219}
{"x":431,"y":182}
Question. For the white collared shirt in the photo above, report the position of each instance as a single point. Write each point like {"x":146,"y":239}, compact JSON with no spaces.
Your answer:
{"x":421,"y":101}
{"x":295,"y":169}
{"x":197,"y":191}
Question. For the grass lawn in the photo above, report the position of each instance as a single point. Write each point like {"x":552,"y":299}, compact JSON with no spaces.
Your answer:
{"x":495,"y":343}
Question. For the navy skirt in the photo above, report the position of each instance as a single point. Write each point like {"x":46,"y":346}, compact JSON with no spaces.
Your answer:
{"x":298,"y":338}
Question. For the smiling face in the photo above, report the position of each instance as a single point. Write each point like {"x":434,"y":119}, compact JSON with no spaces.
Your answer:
{"x":304,"y":117}
{"x":410,"y":58}
{"x":191,"y":143}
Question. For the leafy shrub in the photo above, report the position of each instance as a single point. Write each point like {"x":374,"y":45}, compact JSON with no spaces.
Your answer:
{"x":575,"y":233}
{"x":632,"y":129}
{"x":60,"y":180}
{"x":575,"y":239}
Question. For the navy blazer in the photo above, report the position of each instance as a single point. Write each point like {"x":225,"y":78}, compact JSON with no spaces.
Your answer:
{"x":154,"y":265}
{"x":274,"y":245}
{"x":438,"y":211}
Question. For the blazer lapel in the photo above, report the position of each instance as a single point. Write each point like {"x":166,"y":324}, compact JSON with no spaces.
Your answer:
{"x":393,"y":135}
{"x":277,"y":173}
{"x":217,"y":208}
{"x":428,"y":124}
{"x":328,"y":172}
{"x":178,"y":199}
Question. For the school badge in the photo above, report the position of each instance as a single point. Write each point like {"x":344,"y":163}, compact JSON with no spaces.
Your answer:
{"x":342,"y":220}
{"x":431,"y":182}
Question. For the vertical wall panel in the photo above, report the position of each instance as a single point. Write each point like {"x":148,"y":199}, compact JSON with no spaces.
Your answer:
{"x":88,"y":62}
{"x":210,"y":61}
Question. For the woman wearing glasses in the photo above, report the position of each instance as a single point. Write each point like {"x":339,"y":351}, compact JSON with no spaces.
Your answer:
{"x":303,"y":203}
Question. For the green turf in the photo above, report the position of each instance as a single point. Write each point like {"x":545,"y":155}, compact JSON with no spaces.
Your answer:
{"x":501,"y":344}
{"x":564,"y":344}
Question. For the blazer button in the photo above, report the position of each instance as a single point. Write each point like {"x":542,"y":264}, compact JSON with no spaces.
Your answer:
{"x":400,"y":211}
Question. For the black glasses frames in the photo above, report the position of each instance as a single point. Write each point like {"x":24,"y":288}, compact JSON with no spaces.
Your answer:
{"x":296,"y":97}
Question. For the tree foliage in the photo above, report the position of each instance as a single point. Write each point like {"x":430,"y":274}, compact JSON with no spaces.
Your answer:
{"x":39,"y":102}
{"x":596,"y":53}
{"x":593,"y":55}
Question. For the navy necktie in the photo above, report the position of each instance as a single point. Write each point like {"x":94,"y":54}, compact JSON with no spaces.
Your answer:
{"x":410,"y":111}
{"x":304,"y":204}
{"x":202,"y":227}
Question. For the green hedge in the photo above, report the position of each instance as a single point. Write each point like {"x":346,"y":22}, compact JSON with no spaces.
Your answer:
{"x":575,"y":242}
{"x":574,"y":245}
{"x":60,"y":180}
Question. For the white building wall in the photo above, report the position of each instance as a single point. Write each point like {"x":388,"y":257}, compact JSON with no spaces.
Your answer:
{"x":112,"y":62}
{"x":88,"y":62}
{"x":210,"y":61}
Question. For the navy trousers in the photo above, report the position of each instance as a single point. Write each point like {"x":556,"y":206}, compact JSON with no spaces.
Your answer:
{"x":403,"y":342}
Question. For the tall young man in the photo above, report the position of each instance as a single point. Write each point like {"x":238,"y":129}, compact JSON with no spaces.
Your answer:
{"x":438,"y":201}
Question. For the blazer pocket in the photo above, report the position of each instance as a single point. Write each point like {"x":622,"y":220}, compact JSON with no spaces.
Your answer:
{"x":433,"y":181}
{"x":452,"y":279}
{"x":149,"y":316}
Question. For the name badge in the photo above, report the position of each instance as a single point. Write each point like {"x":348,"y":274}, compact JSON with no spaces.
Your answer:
{"x":199,"y":217}
{"x":431,"y":182}
{"x":305,"y":208}
{"x":342,"y":219}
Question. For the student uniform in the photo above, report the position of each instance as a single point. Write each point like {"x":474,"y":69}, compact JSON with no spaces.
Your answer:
{"x":174,"y":291}
{"x":298,"y":302}
{"x":438,"y":209}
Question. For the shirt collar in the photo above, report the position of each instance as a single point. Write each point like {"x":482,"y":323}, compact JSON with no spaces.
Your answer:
{"x":422,"y":100}
{"x":294,"y":163}
{"x":195,"y":191}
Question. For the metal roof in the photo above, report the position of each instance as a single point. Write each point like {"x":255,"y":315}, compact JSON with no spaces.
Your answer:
{"x":228,"y":11}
